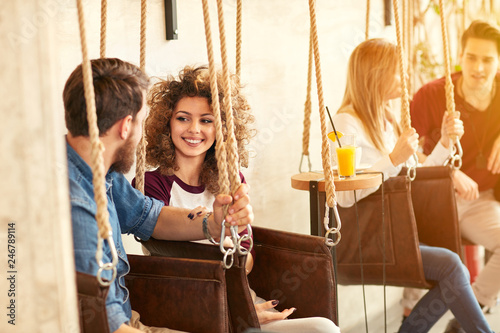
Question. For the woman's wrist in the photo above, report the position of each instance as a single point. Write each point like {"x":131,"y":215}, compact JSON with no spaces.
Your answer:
{"x":213,"y":227}
{"x":445,"y":141}
{"x":393,"y":160}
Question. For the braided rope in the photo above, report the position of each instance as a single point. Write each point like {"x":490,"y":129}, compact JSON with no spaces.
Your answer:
{"x":239,"y":10}
{"x":404,"y":25}
{"x":220,"y":148}
{"x":140,"y":166}
{"x":232,"y":147}
{"x":104,"y":19}
{"x":307,"y":104}
{"x":367,"y":19}
{"x":327,"y":166}
{"x":144,"y":10}
{"x":97,"y":161}
{"x":410,"y":31}
{"x":405,"y":98}
{"x":464,"y":17}
{"x":450,"y":96}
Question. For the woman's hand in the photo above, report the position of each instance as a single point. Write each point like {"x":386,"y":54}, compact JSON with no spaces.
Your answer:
{"x":451,"y":127}
{"x":265,"y":316}
{"x":198,"y":211}
{"x":406,"y":146}
{"x":240,"y":211}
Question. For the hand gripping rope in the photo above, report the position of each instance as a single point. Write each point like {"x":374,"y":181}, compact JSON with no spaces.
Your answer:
{"x":224,"y":151}
{"x":457,"y":152}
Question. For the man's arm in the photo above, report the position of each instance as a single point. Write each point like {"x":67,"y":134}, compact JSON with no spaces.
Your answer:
{"x":494,"y":158}
{"x":174,"y":223}
{"x":124,"y":328}
{"x":465,"y":186}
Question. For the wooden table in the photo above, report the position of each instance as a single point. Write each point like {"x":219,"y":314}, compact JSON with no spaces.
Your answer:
{"x":362,"y":180}
{"x":314,"y":182}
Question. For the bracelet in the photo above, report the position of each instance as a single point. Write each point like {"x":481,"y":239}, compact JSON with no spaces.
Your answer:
{"x":205,"y":229}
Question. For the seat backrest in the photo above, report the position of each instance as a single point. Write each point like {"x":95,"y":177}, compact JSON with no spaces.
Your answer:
{"x":435,"y":208}
{"x":295,"y":269}
{"x":181,"y":294}
{"x":396,"y":243}
{"x":239,"y":302}
{"x":91,"y":304}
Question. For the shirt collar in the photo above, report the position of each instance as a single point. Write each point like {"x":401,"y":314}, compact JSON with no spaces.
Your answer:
{"x":83,"y":167}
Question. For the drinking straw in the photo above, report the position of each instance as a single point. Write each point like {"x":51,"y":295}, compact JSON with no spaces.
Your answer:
{"x":334,"y":131}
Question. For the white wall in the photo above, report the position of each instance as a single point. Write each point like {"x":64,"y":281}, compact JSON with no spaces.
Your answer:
{"x":274,"y":69}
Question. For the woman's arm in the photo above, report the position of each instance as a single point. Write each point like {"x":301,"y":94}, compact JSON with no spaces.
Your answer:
{"x":451,"y":126}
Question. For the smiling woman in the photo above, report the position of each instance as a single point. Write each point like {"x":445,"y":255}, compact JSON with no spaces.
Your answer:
{"x":181,"y":115}
{"x":192,"y":130}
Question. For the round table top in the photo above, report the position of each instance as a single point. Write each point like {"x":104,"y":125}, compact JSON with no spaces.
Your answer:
{"x":361,"y":181}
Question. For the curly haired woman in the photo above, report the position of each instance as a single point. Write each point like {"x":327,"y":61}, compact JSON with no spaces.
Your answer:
{"x":180,"y":132}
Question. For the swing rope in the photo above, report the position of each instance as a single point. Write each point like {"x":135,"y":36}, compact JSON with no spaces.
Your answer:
{"x":104,"y":19}
{"x":220,"y":148}
{"x":367,"y":19}
{"x":239,"y":10}
{"x":456,"y":155}
{"x":232,"y":147}
{"x":97,"y":161}
{"x":410,"y":31}
{"x":307,"y":109}
{"x":405,"y":98}
{"x":464,"y":16}
{"x":325,"y":153}
{"x":226,"y":154}
{"x":140,"y":167}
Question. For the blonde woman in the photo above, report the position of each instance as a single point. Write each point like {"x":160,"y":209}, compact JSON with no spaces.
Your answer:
{"x":373,"y":80}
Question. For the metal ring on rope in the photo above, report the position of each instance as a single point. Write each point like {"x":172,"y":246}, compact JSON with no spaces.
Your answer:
{"x":334,"y":230}
{"x":229,"y":253}
{"x":330,"y":242}
{"x":248,"y":237}
{"x":456,"y":156}
{"x":411,"y":172}
{"x":226,"y":252}
{"x":106,"y":266}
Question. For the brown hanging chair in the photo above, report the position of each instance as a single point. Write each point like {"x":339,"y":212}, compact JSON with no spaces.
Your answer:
{"x":289,"y":267}
{"x":420,"y":211}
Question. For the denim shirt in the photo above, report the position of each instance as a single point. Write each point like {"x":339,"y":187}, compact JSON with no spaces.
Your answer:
{"x":129,"y":212}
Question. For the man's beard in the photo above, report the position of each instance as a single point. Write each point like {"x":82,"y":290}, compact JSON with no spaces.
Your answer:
{"x":124,"y":157}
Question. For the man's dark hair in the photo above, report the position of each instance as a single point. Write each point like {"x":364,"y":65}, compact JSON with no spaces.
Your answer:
{"x":482,"y":30}
{"x":119,"y":91}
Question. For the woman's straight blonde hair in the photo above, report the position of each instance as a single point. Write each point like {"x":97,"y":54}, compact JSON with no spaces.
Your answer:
{"x":370,"y":77}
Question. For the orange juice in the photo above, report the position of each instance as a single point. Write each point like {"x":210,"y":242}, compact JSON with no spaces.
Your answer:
{"x":346,"y":160}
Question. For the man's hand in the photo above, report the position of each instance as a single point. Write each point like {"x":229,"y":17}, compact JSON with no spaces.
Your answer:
{"x":451,"y":126}
{"x":269,"y":316}
{"x":465,"y":186}
{"x":239,"y":213}
{"x":494,"y":158}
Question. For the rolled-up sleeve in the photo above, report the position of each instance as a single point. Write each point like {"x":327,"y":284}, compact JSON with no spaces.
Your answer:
{"x":137,"y":213}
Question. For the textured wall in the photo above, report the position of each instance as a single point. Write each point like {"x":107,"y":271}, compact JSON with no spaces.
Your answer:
{"x":36,"y":265}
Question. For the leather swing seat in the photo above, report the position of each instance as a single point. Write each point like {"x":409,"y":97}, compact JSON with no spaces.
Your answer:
{"x":421,"y":211}
{"x":184,"y":286}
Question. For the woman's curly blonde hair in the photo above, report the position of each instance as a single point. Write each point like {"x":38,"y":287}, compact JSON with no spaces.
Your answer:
{"x":162,"y":100}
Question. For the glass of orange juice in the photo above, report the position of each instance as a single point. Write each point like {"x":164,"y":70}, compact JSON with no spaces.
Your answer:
{"x":346,"y":156}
